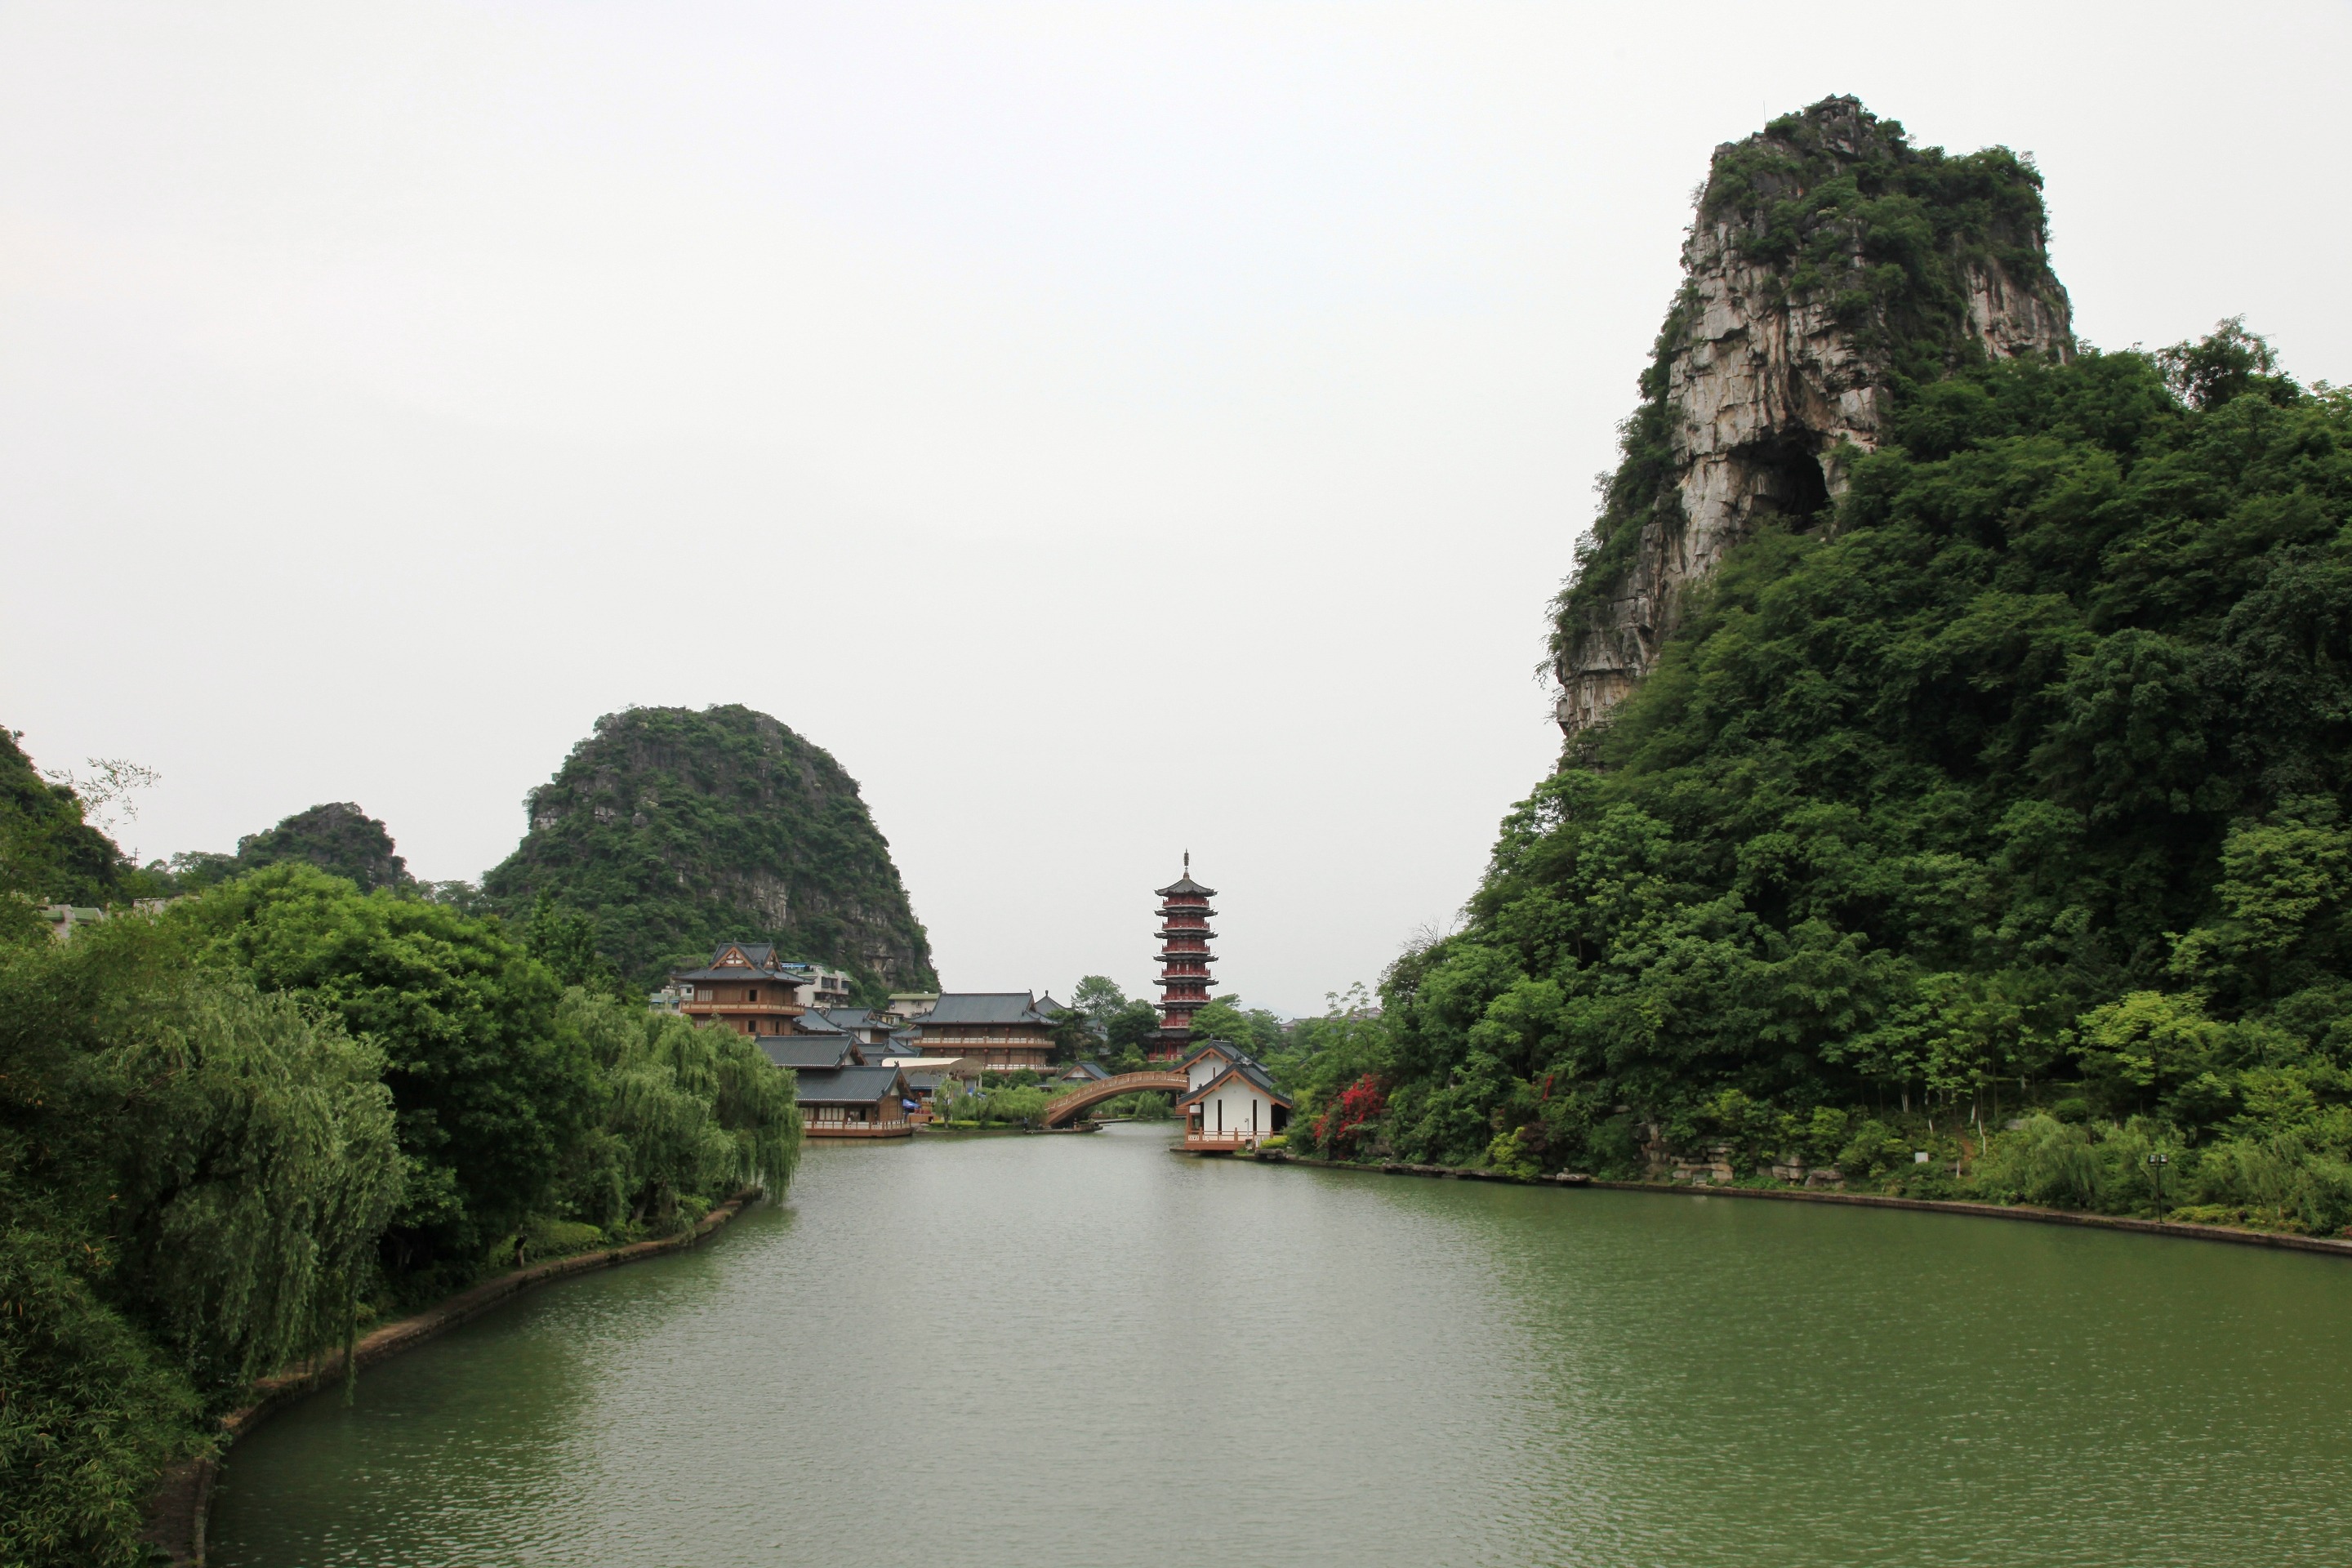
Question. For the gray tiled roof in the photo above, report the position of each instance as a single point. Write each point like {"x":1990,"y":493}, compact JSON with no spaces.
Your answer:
{"x":800,"y":1052}
{"x":984,"y":1008}
{"x":849,"y":1086}
{"x":1225,"y":1049}
{"x":1249,"y":1071}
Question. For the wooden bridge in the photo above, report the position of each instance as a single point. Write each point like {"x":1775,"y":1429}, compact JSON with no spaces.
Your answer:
{"x":1064,"y":1109}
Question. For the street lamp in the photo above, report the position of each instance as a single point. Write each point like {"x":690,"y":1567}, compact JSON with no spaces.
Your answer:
{"x":2155,"y":1164}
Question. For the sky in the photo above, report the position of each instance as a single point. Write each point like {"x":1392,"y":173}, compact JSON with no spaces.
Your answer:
{"x":1109,"y":430}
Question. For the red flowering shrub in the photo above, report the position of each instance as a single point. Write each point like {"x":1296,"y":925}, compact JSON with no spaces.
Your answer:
{"x":1342,"y":1122}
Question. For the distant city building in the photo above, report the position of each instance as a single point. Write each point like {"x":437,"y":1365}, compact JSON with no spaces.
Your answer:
{"x":866,"y":1026}
{"x":1184,"y":960}
{"x":911,"y":1005}
{"x":823,"y":987}
{"x":744,"y":986}
{"x":63,"y":918}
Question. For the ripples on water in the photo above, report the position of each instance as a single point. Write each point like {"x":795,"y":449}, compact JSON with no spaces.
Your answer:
{"x":1085,"y":1351}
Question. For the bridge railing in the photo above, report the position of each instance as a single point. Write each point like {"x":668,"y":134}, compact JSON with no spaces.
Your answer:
{"x":1068,"y":1107}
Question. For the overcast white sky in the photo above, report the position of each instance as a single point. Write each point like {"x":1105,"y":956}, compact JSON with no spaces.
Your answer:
{"x":1109,"y":429}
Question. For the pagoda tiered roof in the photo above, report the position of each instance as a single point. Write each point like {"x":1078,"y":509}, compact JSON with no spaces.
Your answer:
{"x":1184,"y":887}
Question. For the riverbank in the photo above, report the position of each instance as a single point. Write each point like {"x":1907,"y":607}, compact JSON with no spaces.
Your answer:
{"x":176,"y":1513}
{"x":2271,"y":1238}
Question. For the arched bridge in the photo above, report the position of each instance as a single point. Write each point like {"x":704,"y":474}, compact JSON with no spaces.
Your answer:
{"x":1064,"y":1109}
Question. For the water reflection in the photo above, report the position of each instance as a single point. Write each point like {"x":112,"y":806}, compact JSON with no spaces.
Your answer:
{"x":1086,"y":1350}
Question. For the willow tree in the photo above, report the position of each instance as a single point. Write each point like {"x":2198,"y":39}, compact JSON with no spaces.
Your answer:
{"x":687,"y":1112}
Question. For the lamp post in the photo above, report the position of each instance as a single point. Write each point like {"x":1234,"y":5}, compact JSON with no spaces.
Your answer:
{"x":2155,"y":1164}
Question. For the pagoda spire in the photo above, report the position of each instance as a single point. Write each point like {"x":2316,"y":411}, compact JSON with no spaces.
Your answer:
{"x":1184,"y":961}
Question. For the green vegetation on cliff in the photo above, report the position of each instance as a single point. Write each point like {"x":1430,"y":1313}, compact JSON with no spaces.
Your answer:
{"x":675,"y":830}
{"x":48,"y":853}
{"x":338,"y":838}
{"x":1845,"y":214}
{"x":2022,"y":784}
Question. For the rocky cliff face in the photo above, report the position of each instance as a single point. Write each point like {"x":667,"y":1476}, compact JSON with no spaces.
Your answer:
{"x":1832,"y":267}
{"x":677,"y":830}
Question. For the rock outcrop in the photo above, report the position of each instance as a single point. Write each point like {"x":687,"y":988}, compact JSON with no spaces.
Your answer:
{"x":1831,"y":264}
{"x":676,"y":830}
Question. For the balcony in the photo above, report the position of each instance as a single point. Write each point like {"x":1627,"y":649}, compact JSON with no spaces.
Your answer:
{"x":901,"y":1128}
{"x":1198,"y":1142}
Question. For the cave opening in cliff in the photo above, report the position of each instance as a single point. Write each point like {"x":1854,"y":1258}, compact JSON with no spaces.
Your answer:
{"x":1789,"y":481}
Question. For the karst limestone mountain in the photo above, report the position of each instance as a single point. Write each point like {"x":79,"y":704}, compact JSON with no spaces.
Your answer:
{"x":674,"y":829}
{"x":1830,"y":263}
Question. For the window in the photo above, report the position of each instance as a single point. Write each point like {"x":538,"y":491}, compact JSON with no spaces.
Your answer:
{"x":752,"y":994}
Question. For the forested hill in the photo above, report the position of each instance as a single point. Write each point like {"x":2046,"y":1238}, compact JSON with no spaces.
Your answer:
{"x":675,"y":830}
{"x":2011,"y":779}
{"x":48,"y":853}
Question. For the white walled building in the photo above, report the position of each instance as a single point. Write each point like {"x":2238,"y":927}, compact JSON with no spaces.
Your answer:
{"x":1229,"y":1100}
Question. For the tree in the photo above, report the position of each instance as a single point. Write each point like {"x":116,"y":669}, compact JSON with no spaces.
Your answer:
{"x":338,"y":839}
{"x":1073,"y":1036}
{"x":489,"y":1096}
{"x":193,"y":1176}
{"x":565,"y":940}
{"x":1253,"y":1029}
{"x":686,"y":1112}
{"x":1126,"y":1029}
{"x":1098,"y":997}
{"x":48,"y":851}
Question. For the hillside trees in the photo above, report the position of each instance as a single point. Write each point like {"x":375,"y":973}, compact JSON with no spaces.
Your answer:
{"x":2027,"y":770}
{"x":192,"y":1177}
{"x":230,"y":1129}
{"x":674,"y":829}
{"x":488,"y":1094}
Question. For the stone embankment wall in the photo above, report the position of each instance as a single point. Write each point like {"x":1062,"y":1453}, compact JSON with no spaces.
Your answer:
{"x":175,"y":1515}
{"x":2341,"y":1248}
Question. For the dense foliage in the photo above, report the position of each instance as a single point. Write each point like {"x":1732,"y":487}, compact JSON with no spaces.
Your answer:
{"x":232,"y":1129}
{"x":338,"y":838}
{"x":1118,"y":1025}
{"x":2022,"y":784}
{"x":488,"y":1093}
{"x":675,"y":830}
{"x":48,"y":853}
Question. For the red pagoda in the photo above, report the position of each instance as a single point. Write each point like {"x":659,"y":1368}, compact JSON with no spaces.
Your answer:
{"x":1184,"y":958}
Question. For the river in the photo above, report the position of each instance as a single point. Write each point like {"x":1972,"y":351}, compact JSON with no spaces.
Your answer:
{"x":1088,"y":1351}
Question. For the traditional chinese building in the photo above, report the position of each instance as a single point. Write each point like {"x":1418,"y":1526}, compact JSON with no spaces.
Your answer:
{"x":745,"y":986}
{"x":1184,"y":960}
{"x":992,"y":1031}
{"x":854,"y":1102}
{"x":1231,"y":1101}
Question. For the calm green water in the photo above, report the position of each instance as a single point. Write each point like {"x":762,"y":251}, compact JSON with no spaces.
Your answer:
{"x":1089,"y":1352}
